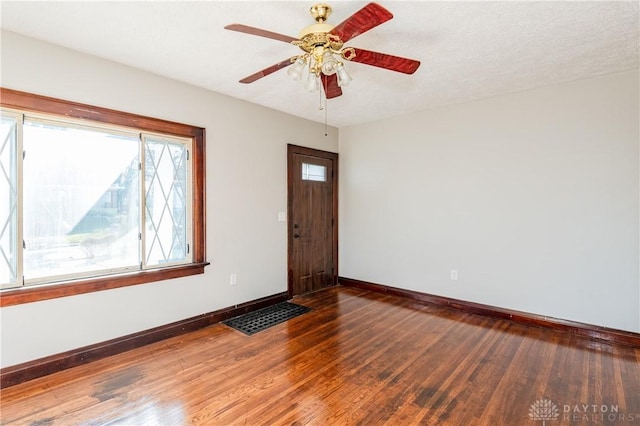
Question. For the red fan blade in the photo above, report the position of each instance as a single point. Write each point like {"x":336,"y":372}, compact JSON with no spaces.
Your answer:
{"x":362,"y":21}
{"x":331,"y":88}
{"x":257,"y":31}
{"x":382,"y":60}
{"x":265,"y":72}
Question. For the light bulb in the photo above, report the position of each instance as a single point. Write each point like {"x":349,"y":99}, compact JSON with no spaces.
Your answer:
{"x":343,"y":76}
{"x":295,"y":70}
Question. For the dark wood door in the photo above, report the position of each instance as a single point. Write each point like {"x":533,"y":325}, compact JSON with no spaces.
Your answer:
{"x":313,"y":227}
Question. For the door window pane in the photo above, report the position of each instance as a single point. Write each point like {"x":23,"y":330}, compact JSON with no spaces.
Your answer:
{"x":314,"y":172}
{"x":81,"y":198}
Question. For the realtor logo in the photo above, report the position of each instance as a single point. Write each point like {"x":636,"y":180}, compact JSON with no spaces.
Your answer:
{"x":544,"y":409}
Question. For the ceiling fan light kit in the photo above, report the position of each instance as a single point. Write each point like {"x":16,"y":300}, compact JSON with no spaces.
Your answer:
{"x":323,"y":47}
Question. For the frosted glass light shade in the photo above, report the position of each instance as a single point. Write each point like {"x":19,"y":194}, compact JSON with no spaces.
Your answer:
{"x":329,"y":64}
{"x":343,"y":76}
{"x":313,"y":83}
{"x":295,"y":70}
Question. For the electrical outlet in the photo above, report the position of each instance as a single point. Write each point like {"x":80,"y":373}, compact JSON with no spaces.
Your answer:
{"x":233,"y":279}
{"x":454,"y":275}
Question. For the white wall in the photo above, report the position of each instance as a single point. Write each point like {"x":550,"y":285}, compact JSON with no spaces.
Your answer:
{"x":246,"y":188}
{"x":533,"y":197}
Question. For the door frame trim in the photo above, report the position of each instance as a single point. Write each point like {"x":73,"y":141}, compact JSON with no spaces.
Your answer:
{"x":311,"y":152}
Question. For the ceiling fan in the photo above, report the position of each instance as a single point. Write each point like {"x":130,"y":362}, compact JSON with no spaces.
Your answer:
{"x":323,"y":47}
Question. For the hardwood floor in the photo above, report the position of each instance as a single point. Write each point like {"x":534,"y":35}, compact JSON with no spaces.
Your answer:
{"x":357,"y":358}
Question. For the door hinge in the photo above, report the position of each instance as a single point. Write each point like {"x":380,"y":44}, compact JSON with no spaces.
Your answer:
{"x":188,"y":248}
{"x":24,"y":154}
{"x":24,"y":244}
{"x":140,"y":236}
{"x":187,"y":155}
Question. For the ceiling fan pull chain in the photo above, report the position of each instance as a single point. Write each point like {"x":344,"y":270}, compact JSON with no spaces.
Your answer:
{"x":325,"y":114}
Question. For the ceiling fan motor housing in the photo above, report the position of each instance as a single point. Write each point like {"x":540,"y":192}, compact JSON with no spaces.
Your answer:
{"x":320,"y":12}
{"x":319,"y":43}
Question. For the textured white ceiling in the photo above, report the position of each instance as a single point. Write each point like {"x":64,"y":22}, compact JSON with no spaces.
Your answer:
{"x":468,"y":50}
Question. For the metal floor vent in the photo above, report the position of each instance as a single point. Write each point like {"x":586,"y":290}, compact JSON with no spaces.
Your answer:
{"x":264,"y":318}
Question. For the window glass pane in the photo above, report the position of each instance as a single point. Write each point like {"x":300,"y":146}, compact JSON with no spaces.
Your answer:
{"x":165,"y":201}
{"x":8,"y":201}
{"x":81,"y":198}
{"x":314,"y":172}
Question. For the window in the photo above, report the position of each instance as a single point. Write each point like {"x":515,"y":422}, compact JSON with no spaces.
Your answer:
{"x":95,"y":204}
{"x":9,"y":237}
{"x":314,"y":172}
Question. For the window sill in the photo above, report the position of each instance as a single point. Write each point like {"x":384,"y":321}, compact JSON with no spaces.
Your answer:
{"x":18,"y":296}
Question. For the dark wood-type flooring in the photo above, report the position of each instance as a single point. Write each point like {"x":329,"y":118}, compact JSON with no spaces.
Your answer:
{"x":358,"y":358}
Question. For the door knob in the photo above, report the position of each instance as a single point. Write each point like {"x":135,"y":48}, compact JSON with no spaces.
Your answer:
{"x":296,"y":236}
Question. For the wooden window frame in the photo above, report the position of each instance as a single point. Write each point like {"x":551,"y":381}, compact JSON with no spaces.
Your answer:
{"x":29,"y":102}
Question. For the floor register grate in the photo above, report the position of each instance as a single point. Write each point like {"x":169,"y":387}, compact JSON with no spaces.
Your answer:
{"x":264,"y":318}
